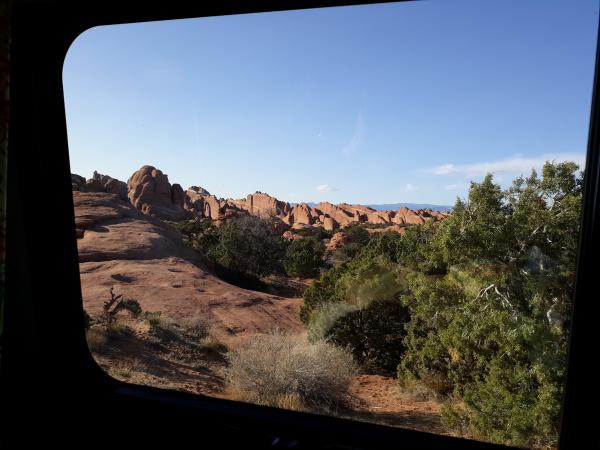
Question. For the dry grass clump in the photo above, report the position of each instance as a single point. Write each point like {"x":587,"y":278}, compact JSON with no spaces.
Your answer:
{"x":289,"y":372}
{"x":211,"y":343}
{"x":416,"y":390}
{"x":196,"y":327}
{"x":96,"y":339}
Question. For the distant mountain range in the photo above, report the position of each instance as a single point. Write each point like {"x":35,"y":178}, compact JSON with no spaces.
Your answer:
{"x":415,"y":206}
{"x":396,"y":206}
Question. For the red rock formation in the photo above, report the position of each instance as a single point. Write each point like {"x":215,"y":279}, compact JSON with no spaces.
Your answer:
{"x":212,"y":207}
{"x":151,"y":193}
{"x":330,"y":224}
{"x":395,"y":227}
{"x":263,"y":205}
{"x":342,"y":215}
{"x":77,"y":182}
{"x":302,"y":214}
{"x":290,"y":235}
{"x":144,"y":258}
{"x":338,"y":240}
{"x":379,"y":217}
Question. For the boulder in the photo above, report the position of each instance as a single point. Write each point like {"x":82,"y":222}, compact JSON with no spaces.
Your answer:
{"x":338,"y":240}
{"x":149,"y":191}
{"x":93,"y":185}
{"x":263,"y":205}
{"x":341,"y":214}
{"x":330,"y":224}
{"x":77,"y":182}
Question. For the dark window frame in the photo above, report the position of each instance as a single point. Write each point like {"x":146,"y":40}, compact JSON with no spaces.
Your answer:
{"x":50,"y":380}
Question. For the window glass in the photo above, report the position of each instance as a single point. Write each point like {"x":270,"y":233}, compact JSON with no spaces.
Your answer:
{"x":369,"y":211}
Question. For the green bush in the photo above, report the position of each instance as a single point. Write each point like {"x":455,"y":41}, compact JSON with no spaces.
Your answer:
{"x":321,"y":291}
{"x":487,"y":300}
{"x":248,"y":245}
{"x":367,"y":279}
{"x":347,"y":252}
{"x":514,"y":404}
{"x":373,"y":334}
{"x":384,"y":244}
{"x":324,"y":317}
{"x":358,"y":234}
{"x":304,"y":257}
{"x":193,"y":229}
{"x":314,"y":232}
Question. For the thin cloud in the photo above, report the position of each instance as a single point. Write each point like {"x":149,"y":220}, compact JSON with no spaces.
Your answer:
{"x":409,"y":187}
{"x":326,"y":188}
{"x":357,"y":137}
{"x":451,"y":187}
{"x":515,"y":165}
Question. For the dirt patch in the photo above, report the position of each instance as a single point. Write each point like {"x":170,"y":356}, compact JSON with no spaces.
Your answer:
{"x":380,"y":400}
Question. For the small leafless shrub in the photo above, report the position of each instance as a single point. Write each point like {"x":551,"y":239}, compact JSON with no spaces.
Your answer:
{"x":117,"y":303}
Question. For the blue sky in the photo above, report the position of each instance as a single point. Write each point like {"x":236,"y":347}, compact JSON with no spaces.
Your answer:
{"x":369,"y":104}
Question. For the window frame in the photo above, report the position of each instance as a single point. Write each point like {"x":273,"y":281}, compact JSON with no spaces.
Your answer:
{"x":43,"y":305}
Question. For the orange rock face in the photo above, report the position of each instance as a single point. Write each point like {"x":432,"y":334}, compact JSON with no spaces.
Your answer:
{"x":338,"y":240}
{"x":342,"y":215}
{"x":260,"y":204}
{"x":144,"y":258}
{"x":149,"y":191}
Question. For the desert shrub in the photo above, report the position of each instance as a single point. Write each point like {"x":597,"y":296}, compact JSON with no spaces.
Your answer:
{"x":192,"y":229}
{"x":347,"y":252}
{"x":304,"y":257}
{"x":384,"y":244}
{"x":424,"y":389}
{"x":282,"y":370}
{"x":116,"y":304}
{"x":374,"y":334}
{"x":493,"y":331}
{"x":514,"y":404}
{"x":314,"y":232}
{"x":422,"y":248}
{"x":117,"y":330}
{"x":358,"y":282}
{"x":248,"y":245}
{"x":366,"y":279}
{"x":87,"y":320}
{"x":211,"y":343}
{"x":321,"y":291}
{"x":488,"y":295}
{"x":154,"y":319}
{"x":96,"y":339}
{"x":324,"y":317}
{"x":357,"y":237}
{"x":196,"y":327}
{"x":358,"y":234}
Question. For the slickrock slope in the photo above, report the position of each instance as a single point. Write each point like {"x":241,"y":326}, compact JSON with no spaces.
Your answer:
{"x":143,"y":258}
